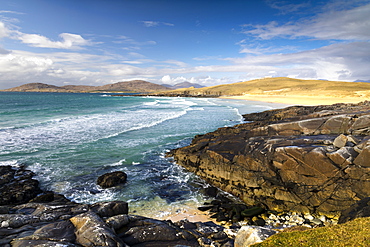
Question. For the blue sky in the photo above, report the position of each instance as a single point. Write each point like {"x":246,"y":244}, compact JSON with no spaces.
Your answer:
{"x":96,"y":42}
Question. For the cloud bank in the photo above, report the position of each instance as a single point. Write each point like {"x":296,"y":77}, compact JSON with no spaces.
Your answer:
{"x":353,"y":24}
{"x":343,"y":54}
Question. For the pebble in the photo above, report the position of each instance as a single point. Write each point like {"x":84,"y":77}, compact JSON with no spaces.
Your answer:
{"x":308,"y":217}
{"x":316,"y":221}
{"x":5,"y":224}
{"x":296,"y":219}
{"x":322,"y":218}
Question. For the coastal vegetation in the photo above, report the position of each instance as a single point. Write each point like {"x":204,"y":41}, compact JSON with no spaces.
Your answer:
{"x":282,"y":86}
{"x":353,"y":233}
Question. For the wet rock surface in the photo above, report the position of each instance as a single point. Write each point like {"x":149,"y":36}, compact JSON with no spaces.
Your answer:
{"x":49,"y":219}
{"x":17,"y":185}
{"x":112,"y":179}
{"x":310,"y":160}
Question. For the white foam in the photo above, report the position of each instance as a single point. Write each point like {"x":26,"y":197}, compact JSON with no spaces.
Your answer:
{"x":118,"y":163}
{"x":153,"y":103}
{"x":81,"y":129}
{"x":9,"y":163}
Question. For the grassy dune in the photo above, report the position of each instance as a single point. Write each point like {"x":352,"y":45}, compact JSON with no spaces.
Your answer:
{"x":285,"y":86}
{"x":286,"y":90}
{"x":353,"y":233}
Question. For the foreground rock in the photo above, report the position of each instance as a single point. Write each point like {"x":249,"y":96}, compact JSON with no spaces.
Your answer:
{"x":17,"y":185}
{"x":50,"y":219}
{"x":112,"y":179}
{"x":299,"y":159}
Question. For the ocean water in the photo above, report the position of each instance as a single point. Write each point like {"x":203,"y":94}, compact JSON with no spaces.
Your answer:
{"x":69,"y":140}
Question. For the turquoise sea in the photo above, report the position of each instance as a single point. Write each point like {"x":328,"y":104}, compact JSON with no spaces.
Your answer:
{"x":69,"y":140}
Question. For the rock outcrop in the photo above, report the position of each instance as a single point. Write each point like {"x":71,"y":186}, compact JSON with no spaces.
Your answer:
{"x":50,"y":219}
{"x":17,"y":185}
{"x":299,"y":159}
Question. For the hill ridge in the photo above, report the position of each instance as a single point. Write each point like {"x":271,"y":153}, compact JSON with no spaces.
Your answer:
{"x":135,"y":86}
{"x":281,"y":86}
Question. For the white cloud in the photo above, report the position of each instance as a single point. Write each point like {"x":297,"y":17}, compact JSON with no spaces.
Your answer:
{"x":156,"y":23}
{"x":10,"y":12}
{"x":176,"y":63}
{"x":150,"y":23}
{"x":135,"y":44}
{"x":200,"y":79}
{"x":4,"y":31}
{"x":166,"y":79}
{"x":285,"y":8}
{"x":352,"y":24}
{"x":347,"y":61}
{"x":168,"y":24}
{"x":69,"y":41}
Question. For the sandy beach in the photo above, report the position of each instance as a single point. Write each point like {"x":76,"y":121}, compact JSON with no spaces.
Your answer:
{"x":298,"y":99}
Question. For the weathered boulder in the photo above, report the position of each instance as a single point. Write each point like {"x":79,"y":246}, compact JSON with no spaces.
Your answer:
{"x":300,"y":159}
{"x":91,"y":230}
{"x":54,"y":234}
{"x":249,"y":235}
{"x":143,"y":231}
{"x":17,"y":185}
{"x":112,"y":179}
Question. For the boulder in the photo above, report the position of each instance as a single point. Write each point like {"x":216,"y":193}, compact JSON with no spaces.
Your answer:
{"x":112,"y":179}
{"x":54,"y":234}
{"x":249,"y":235}
{"x":142,"y":231}
{"x":301,"y":159}
{"x":91,"y":230}
{"x":17,"y":185}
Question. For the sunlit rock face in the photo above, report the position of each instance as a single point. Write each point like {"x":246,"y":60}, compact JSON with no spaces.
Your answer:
{"x":303,"y":159}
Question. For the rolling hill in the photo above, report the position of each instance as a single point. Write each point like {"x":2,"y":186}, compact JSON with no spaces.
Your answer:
{"x":136,"y":86}
{"x":280,"y":86}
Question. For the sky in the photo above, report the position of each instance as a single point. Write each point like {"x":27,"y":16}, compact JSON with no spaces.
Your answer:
{"x":209,"y":42}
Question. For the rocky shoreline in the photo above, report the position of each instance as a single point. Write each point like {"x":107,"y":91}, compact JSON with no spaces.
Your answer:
{"x":47,"y":219}
{"x":304,"y":159}
{"x":32,"y":217}
{"x":299,"y":166}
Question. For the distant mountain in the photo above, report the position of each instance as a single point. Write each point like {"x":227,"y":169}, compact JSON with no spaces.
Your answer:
{"x":184,"y":84}
{"x":136,"y":86}
{"x":37,"y":87}
{"x":80,"y":88}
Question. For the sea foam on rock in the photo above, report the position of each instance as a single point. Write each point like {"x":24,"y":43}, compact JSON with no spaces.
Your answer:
{"x":310,"y":160}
